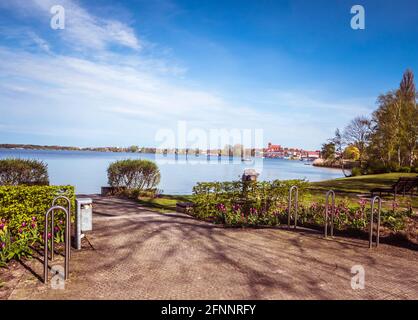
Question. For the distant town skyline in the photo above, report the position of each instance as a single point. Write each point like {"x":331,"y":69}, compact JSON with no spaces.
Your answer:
{"x":120,"y":72}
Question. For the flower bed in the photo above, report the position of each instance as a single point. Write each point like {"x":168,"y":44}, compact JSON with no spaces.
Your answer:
{"x":266,"y":204}
{"x":22,"y":212}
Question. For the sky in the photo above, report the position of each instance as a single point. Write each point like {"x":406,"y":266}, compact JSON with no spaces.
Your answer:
{"x":124,"y":72}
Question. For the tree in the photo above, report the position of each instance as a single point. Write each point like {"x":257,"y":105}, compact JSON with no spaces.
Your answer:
{"x":328,"y":151}
{"x":352,"y":153}
{"x":395,"y":125}
{"x":133,"y":149}
{"x":409,"y":116}
{"x":357,"y":133}
{"x":338,"y":141}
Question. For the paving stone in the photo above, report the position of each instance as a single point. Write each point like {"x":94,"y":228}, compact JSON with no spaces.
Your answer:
{"x":140,"y":254}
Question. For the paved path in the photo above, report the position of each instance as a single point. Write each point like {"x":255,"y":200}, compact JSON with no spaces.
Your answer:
{"x":139,"y":254}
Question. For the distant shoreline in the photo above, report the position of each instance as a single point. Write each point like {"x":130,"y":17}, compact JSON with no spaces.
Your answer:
{"x":69,"y":148}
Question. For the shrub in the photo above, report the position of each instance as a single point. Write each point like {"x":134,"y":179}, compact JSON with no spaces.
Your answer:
{"x":405,"y":169}
{"x":133,"y":174}
{"x":356,"y":171}
{"x":22,"y":217}
{"x":241,"y":202}
{"x":23,"y":171}
{"x":266,"y":203}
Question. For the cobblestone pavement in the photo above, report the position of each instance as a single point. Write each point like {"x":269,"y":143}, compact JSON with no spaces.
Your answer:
{"x":134,"y":253}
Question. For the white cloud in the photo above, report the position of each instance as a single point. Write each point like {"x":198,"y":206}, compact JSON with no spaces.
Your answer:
{"x":41,"y":43}
{"x":82,"y":28}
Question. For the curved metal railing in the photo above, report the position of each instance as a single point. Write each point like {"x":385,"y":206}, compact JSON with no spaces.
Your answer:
{"x":332,"y":193}
{"x":53,"y":221}
{"x":66,"y":241}
{"x":373,"y":201}
{"x":289,"y":208}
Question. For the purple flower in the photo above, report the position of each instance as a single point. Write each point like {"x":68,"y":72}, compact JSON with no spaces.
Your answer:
{"x":49,"y":235}
{"x":33,"y":225}
{"x":2,"y":245}
{"x":56,"y":229}
{"x":23,"y":224}
{"x":1,"y":226}
{"x":61,"y":222}
{"x":33,"y":218}
{"x":221,"y":207}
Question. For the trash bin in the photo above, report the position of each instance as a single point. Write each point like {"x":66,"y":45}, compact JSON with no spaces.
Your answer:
{"x":84,"y":219}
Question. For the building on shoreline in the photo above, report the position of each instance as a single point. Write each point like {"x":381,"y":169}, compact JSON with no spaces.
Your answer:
{"x":277,"y":151}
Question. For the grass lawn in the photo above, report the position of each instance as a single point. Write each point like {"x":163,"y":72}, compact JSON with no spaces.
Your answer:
{"x":348,"y":188}
{"x":353,"y":186}
{"x":164,"y":203}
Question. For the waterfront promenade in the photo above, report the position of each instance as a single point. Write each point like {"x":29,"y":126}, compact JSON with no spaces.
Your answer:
{"x":134,"y":253}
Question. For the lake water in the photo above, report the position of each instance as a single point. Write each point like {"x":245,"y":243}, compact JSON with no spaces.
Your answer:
{"x":87,"y":170}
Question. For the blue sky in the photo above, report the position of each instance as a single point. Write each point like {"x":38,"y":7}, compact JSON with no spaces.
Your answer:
{"x":120,"y":72}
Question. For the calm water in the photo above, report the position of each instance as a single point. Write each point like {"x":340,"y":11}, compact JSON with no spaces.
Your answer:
{"x":87,"y":170}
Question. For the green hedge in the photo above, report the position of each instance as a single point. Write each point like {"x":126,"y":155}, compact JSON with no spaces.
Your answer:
{"x":19,"y":204}
{"x":23,"y":172}
{"x":248,"y":195}
{"x":266,"y":203}
{"x":22,"y":217}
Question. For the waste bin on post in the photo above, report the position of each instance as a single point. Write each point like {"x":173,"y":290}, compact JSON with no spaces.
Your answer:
{"x":84,"y":219}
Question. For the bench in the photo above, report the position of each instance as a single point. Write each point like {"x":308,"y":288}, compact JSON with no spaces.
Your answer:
{"x":402,"y":186}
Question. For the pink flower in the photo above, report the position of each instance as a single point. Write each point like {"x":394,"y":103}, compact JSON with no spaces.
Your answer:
{"x":33,"y":218}
{"x":33,"y":225}
{"x":1,"y":226}
{"x":23,"y":224}
{"x":2,"y":245}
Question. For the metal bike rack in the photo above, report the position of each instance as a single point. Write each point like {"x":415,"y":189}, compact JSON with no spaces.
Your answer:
{"x":332,"y":193}
{"x":67,"y":225}
{"x":372,"y":222}
{"x":66,"y":243}
{"x":290,"y":205}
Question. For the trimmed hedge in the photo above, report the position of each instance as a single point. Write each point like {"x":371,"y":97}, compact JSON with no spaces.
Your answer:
{"x":20,"y":204}
{"x":23,"y":172}
{"x":266,"y":203}
{"x":22,"y":217}
{"x":214,"y":199}
{"x":133,"y":174}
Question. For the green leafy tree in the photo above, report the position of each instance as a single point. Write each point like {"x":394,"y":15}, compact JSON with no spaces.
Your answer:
{"x":328,"y":151}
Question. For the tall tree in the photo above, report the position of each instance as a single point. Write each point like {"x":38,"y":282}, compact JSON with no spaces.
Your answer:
{"x":384,"y":137}
{"x":409,"y":116}
{"x":357,"y":133}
